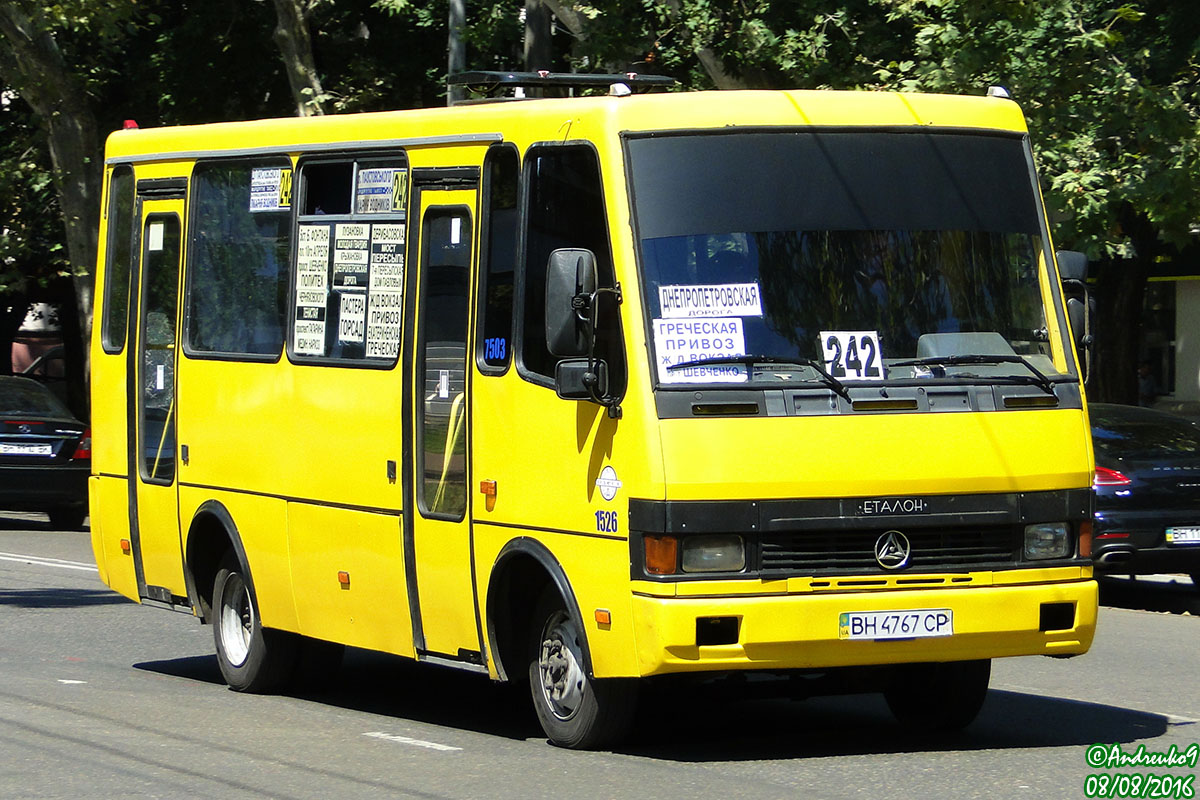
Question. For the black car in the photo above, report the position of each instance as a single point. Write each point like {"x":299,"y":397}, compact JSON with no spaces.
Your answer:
{"x":1147,"y":491}
{"x":45,"y":453}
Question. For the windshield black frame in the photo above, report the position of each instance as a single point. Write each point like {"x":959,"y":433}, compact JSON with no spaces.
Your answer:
{"x":843,"y":162}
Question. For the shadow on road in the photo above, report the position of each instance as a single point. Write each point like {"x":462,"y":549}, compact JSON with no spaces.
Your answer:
{"x":59,"y":598}
{"x":1174,"y":597}
{"x":707,"y":722}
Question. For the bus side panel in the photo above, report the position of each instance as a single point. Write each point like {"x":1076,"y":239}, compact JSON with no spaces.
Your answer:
{"x":546,"y":456}
{"x":109,"y":504}
{"x":262,"y":527}
{"x":368,"y":610}
{"x":589,"y":567}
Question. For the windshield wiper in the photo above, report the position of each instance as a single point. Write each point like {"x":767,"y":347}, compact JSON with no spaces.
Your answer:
{"x":749,"y":362}
{"x":1038,"y":379}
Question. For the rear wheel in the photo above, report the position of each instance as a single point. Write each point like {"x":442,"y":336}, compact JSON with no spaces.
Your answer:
{"x":252,"y":659}
{"x":938,"y":697}
{"x":575,"y":710}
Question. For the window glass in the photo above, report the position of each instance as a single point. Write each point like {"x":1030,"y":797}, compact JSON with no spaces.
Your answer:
{"x":119,"y":256}
{"x":160,"y":277}
{"x":442,"y":359}
{"x":500,"y":189}
{"x":238,"y":258}
{"x":350,"y":260}
{"x":895,"y":254}
{"x":566,"y":209}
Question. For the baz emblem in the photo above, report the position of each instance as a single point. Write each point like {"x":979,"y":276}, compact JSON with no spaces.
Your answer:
{"x":892,"y":550}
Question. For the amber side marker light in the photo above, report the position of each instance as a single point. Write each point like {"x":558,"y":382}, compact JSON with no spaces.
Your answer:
{"x":126,"y":546}
{"x":1085,"y":539}
{"x":662,"y":554}
{"x":344,"y":579}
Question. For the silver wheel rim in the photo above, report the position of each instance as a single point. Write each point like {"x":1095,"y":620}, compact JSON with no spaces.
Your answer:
{"x":559,"y":666}
{"x":236,"y":621}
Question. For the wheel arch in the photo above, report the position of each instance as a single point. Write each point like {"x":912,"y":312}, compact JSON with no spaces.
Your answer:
{"x":522,"y":570}
{"x":211,"y":534}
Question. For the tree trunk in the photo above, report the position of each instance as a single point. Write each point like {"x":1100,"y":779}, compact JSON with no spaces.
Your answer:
{"x":537,"y":36}
{"x":456,"y":49}
{"x":1121,"y":291}
{"x":294,"y":41}
{"x":34,"y":66}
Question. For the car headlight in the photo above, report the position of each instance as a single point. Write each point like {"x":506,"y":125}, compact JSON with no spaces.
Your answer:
{"x":713,"y":553}
{"x":1047,"y":540}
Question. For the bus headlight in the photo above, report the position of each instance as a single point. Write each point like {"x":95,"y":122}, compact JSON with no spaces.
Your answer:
{"x":713,"y":553}
{"x":1047,"y":540}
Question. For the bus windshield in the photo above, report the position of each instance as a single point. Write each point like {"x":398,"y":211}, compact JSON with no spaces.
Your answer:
{"x":862,"y":256}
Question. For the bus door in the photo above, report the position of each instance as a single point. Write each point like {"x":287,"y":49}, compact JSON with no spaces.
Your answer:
{"x":437,"y":531}
{"x":153,"y":496}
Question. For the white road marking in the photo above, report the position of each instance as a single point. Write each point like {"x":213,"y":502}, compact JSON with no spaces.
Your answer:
{"x":47,"y":562}
{"x":391,"y":737}
{"x":69,"y":682}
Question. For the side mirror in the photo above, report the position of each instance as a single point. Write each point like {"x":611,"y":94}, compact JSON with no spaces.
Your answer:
{"x":573,"y":380}
{"x":1072,"y":266}
{"x":570,"y":289}
{"x":1073,"y":270}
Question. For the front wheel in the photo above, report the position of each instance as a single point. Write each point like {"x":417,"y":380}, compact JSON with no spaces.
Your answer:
{"x":575,"y":710}
{"x":252,"y":659}
{"x":938,"y":697}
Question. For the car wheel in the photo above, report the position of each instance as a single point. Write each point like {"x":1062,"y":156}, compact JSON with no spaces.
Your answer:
{"x":67,"y":518}
{"x":938,"y":697}
{"x":252,"y":658}
{"x":576,"y":711}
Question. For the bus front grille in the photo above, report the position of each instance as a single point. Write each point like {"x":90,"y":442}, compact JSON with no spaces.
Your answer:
{"x":808,"y":552}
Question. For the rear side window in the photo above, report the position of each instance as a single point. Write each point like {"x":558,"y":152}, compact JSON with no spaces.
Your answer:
{"x":565,"y":208}
{"x":350,"y":260}
{"x":118,"y":258}
{"x":238,"y":256}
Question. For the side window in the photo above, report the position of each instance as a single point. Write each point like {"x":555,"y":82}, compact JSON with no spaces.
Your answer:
{"x":237,"y":260}
{"x":350,"y":259}
{"x":565,"y":208}
{"x":118,"y":258}
{"x":500,"y":183}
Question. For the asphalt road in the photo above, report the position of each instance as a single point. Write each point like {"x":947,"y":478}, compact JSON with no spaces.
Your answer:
{"x":102,"y":698}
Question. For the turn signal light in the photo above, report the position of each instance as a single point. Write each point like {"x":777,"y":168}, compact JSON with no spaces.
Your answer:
{"x":126,"y":546}
{"x":1110,"y":477}
{"x":1085,"y":539}
{"x":344,"y":579}
{"x":662,"y":554}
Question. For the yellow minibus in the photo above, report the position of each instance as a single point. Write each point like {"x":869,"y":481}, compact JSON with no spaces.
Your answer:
{"x":585,"y":391}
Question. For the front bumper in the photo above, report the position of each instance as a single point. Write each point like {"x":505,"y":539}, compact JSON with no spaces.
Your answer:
{"x":801,"y":631}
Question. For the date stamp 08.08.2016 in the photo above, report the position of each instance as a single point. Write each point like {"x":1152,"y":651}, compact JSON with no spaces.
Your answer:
{"x":1141,"y":773}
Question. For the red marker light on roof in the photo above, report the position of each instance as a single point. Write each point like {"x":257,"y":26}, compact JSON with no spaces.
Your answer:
{"x":130,"y":125}
{"x":1110,"y":477}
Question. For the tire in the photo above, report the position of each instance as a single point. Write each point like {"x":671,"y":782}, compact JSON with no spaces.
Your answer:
{"x":67,"y":518}
{"x":575,"y":710}
{"x":938,"y":697}
{"x":252,"y":658}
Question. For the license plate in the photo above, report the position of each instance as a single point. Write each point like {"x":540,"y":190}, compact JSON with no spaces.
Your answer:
{"x":26,"y":450}
{"x":916,"y":624}
{"x":1183,"y":535}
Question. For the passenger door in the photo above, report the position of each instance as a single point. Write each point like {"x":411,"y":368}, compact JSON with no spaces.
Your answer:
{"x":438,"y":545}
{"x":154,"y":497}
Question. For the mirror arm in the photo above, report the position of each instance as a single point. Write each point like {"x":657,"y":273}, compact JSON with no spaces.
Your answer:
{"x":586,"y":303}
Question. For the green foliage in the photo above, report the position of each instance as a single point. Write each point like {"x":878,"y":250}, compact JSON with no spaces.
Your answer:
{"x":31,"y":247}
